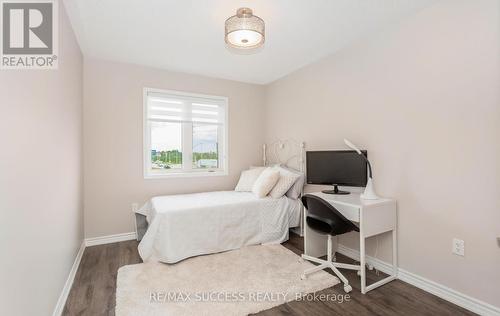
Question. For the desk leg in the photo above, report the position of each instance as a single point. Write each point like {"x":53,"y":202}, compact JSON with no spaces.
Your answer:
{"x":394,"y":253}
{"x":362,"y":261}
{"x":391,"y":277}
{"x":304,"y":226}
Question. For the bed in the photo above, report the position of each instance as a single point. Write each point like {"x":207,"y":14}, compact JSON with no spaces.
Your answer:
{"x":186,"y":225}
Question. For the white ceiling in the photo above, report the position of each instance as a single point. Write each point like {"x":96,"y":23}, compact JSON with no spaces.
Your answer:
{"x":188,"y":35}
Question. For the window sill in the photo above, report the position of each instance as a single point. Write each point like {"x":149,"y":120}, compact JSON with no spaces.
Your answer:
{"x":185,"y":175}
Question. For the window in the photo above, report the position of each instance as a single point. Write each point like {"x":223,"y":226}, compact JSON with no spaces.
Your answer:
{"x":184,"y":134}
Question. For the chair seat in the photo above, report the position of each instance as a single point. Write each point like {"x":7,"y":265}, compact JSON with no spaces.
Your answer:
{"x":320,"y":226}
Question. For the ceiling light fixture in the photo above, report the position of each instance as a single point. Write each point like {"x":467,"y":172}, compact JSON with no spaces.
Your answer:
{"x":244,"y":30}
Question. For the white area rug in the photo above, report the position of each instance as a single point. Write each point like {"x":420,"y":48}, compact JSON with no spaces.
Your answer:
{"x":238,"y":282}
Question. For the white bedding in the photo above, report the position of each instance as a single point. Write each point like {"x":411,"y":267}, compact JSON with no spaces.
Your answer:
{"x":186,"y":225}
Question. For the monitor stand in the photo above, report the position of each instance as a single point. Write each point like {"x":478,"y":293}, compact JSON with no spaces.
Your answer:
{"x":335,"y":191}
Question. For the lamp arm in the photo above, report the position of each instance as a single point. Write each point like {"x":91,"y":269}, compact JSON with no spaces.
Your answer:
{"x":369,"y":166}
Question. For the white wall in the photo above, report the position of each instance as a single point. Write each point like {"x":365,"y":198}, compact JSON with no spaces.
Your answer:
{"x":423,"y":99}
{"x":113,"y":144}
{"x":41,"y":226}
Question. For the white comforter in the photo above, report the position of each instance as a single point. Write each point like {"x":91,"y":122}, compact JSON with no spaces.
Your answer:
{"x":186,"y":225}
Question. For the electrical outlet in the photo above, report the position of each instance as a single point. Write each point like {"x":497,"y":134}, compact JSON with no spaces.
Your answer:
{"x":458,"y":247}
{"x":498,"y":241}
{"x":135,"y":207}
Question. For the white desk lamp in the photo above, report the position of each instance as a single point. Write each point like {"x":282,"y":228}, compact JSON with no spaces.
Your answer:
{"x":369,"y":193}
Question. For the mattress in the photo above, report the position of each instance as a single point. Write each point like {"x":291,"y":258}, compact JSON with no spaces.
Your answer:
{"x":187,"y":225}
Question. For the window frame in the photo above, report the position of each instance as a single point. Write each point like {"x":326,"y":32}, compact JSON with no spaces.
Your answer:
{"x":186,"y":142}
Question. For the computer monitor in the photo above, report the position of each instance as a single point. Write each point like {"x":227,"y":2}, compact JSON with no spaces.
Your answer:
{"x":337,"y":167}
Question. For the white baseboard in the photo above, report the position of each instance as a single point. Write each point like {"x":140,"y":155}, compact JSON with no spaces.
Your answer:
{"x":110,"y":239}
{"x":61,"y":302}
{"x":455,"y":297}
{"x":69,"y":282}
{"x":446,"y":293}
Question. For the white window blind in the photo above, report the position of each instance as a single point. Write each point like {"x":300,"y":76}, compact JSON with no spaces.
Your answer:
{"x":178,"y":108}
{"x":184,"y":133}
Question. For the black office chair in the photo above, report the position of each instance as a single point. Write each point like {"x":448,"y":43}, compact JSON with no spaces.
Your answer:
{"x":325,"y":219}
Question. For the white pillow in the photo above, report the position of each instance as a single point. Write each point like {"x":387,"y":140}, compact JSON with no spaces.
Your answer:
{"x":297,"y":188}
{"x":286,"y":181}
{"x":265,"y":182}
{"x":248,"y":178}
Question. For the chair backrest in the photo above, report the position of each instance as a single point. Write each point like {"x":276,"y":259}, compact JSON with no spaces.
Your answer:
{"x":323,"y":218}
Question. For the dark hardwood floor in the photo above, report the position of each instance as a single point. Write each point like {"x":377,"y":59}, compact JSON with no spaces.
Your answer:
{"x":93,"y":291}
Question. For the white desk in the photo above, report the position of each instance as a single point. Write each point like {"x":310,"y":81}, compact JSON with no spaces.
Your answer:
{"x":372,"y":216}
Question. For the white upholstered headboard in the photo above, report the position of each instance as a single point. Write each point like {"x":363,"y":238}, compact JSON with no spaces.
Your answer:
{"x":288,"y":153}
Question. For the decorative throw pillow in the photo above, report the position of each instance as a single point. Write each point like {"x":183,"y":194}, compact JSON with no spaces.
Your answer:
{"x":286,"y":181}
{"x":296,"y":190}
{"x":265,"y":182}
{"x":248,"y":178}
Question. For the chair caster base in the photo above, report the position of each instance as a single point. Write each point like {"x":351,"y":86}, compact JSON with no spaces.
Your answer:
{"x":347,"y":288}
